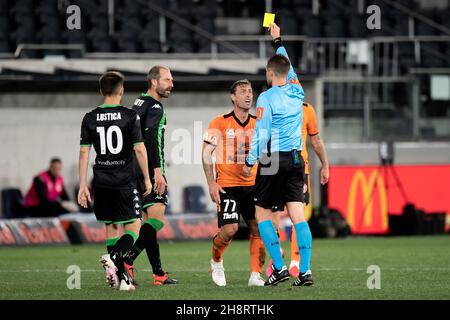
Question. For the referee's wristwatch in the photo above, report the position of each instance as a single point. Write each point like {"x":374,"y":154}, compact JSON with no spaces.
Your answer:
{"x":277,"y":42}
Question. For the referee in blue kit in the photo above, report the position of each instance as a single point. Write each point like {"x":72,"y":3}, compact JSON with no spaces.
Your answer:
{"x":277,"y":143}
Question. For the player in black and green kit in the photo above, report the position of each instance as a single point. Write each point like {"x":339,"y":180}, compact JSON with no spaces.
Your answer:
{"x":153,"y":121}
{"x":115,"y":133}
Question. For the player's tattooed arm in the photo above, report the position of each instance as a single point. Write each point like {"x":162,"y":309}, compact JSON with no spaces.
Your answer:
{"x":319,"y":148}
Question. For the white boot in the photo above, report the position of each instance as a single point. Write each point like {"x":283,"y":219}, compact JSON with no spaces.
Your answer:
{"x":218,"y":274}
{"x":255,"y":280}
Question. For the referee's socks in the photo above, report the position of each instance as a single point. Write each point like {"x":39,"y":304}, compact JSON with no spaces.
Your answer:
{"x":272,"y":242}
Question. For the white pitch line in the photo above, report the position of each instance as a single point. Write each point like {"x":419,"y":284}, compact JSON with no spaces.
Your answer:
{"x":408,"y":269}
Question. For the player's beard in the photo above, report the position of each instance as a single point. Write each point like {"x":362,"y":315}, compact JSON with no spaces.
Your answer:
{"x":163,"y":92}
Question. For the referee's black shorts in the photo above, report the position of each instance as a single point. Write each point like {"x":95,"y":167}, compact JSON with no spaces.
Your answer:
{"x":306,"y":197}
{"x":283,"y":185}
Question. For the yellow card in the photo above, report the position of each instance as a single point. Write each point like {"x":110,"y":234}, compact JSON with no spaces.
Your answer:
{"x":269,"y":18}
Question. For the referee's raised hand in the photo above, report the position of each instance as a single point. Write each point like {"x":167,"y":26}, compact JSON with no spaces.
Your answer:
{"x":274,"y":31}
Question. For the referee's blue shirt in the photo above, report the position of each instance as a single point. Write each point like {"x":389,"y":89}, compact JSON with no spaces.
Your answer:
{"x":279,"y":118}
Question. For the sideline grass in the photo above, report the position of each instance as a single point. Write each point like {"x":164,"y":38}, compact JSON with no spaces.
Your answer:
{"x":411,"y":268}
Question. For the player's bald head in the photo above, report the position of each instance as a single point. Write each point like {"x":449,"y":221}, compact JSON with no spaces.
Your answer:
{"x":279,"y":65}
{"x":155,"y":73}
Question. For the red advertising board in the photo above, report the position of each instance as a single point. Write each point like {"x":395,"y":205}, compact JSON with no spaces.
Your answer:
{"x":367,"y":194}
{"x":84,"y":228}
{"x":38,"y":231}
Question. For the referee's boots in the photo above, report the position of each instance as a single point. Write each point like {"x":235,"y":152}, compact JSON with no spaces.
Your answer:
{"x":277,"y":276}
{"x":304,"y":280}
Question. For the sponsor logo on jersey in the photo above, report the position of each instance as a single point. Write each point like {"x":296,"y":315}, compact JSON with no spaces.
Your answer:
{"x":111,"y":163}
{"x":156,"y":106}
{"x":138,"y":102}
{"x":230,"y":133}
{"x":109,"y":116}
{"x":209,"y":138}
{"x":259,"y":112}
{"x":230,"y":216}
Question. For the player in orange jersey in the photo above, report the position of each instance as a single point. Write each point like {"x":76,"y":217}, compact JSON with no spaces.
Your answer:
{"x":229,"y":137}
{"x":309,"y":127}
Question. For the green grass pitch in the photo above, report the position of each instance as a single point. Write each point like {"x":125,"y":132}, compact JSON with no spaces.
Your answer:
{"x":411,"y":268}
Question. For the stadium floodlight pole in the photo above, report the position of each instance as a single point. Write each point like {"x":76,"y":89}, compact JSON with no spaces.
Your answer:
{"x":268,"y":5}
{"x":111,"y":17}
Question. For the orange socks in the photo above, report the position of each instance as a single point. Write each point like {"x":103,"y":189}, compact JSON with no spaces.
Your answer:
{"x":219,"y":246}
{"x":257,"y":253}
{"x":295,"y":255}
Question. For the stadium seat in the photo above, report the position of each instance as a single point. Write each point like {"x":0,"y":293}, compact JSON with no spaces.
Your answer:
{"x":303,"y":4}
{"x":194,"y":199}
{"x":333,"y":9}
{"x":4,"y":6}
{"x":5,"y":46}
{"x":335,"y":28}
{"x":151,"y":45}
{"x":47,"y":7}
{"x":445,"y":17}
{"x":126,"y":37}
{"x":130,"y":9}
{"x":180,"y":38}
{"x":99,"y":38}
{"x":424,"y":29}
{"x":12,"y":203}
{"x":311,"y":25}
{"x":204,"y":20}
{"x":23,"y":35}
{"x":288,"y":22}
{"x":401,"y":25}
{"x":21,"y":7}
{"x":4,"y":26}
{"x":433,"y":55}
{"x":357,"y":26}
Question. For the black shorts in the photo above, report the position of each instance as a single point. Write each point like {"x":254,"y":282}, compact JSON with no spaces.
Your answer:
{"x":118,"y":206}
{"x":280,"y":206}
{"x":153,"y":197}
{"x":284,"y":184}
{"x":236,"y":202}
